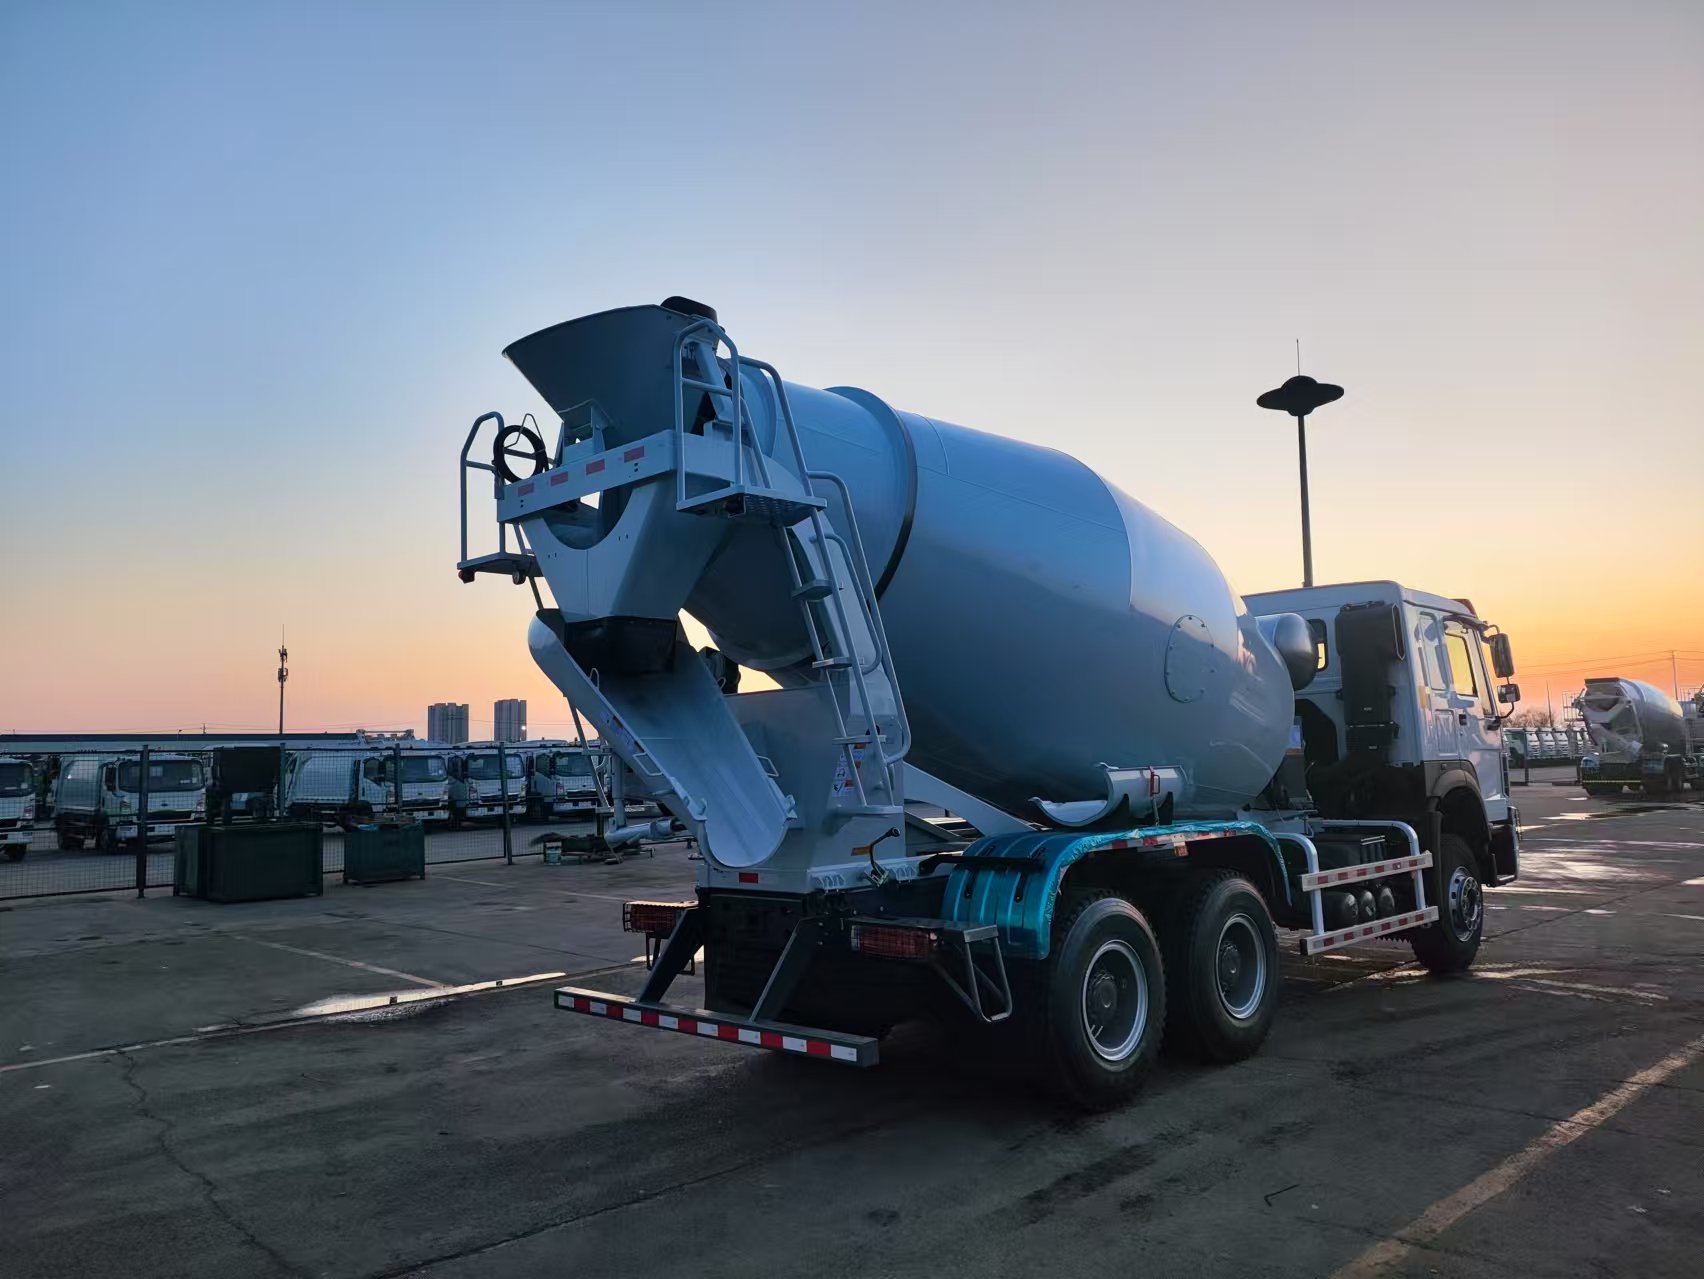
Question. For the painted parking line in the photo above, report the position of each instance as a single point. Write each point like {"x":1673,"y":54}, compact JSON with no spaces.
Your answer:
{"x":339,"y":959}
{"x":342,"y":1009}
{"x":1451,"y":1209}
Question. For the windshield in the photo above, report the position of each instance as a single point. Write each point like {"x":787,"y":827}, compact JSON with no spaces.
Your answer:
{"x":418,"y":768}
{"x":483,"y":768}
{"x":573,"y":765}
{"x":163,"y":775}
{"x":16,"y":779}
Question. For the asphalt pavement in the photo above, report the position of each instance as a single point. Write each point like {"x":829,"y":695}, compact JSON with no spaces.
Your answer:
{"x":338,"y":1086}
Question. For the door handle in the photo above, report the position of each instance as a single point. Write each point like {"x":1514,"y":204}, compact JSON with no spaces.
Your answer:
{"x":1461,"y":718}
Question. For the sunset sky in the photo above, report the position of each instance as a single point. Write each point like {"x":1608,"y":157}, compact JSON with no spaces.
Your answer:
{"x":260,"y":261}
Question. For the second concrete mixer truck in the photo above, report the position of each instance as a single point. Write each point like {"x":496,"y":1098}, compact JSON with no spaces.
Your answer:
{"x":1160,"y":775}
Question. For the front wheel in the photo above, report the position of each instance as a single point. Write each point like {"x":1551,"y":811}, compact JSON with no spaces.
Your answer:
{"x":1102,"y":1001}
{"x":1449,"y":945}
{"x":1221,"y":956}
{"x":16,"y":852}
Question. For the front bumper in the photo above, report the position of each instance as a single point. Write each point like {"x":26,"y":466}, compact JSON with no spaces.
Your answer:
{"x":158,"y":828}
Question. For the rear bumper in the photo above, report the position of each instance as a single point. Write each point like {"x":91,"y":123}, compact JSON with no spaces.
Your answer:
{"x":805,"y":1041}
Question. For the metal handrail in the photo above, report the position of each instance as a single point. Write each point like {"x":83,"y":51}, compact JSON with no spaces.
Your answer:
{"x":466,"y":466}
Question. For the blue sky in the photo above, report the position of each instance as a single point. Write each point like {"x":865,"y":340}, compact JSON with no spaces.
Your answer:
{"x":261,"y":260}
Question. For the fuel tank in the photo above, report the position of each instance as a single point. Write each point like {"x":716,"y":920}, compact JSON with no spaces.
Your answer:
{"x":1043,"y":623}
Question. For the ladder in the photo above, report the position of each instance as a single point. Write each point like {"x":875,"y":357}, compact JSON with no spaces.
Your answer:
{"x":829,"y":574}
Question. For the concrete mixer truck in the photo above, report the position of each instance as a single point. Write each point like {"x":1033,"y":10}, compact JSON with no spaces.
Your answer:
{"x":1158,"y":776}
{"x":1639,"y":738}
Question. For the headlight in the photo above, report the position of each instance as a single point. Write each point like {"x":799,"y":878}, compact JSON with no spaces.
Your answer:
{"x":29,"y":810}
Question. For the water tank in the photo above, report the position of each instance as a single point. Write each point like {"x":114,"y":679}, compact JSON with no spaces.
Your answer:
{"x":1042,"y":622}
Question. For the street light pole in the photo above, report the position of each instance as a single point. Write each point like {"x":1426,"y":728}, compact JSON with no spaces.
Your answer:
{"x":1307,"y":526}
{"x":1298,"y":397}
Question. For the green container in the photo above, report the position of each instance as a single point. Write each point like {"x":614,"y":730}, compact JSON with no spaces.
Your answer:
{"x":255,"y":861}
{"x":379,"y":852}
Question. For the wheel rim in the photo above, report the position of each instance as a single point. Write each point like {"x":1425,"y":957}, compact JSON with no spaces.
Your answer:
{"x":1240,"y":967}
{"x":1466,"y":903}
{"x":1115,"y":1000}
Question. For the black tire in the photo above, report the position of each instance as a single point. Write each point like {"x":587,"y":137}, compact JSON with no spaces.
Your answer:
{"x":457,"y":816}
{"x":16,"y":852}
{"x":1449,"y":945}
{"x":1597,"y":790}
{"x":68,"y":843}
{"x":535,"y":812}
{"x":105,"y":840}
{"x":1221,"y":961}
{"x":1104,"y":960}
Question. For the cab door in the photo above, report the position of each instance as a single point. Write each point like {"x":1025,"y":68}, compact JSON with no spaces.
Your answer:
{"x":1475,"y":714}
{"x":1438,"y":713}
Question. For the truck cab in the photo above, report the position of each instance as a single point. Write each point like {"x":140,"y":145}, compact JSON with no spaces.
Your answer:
{"x":99,"y":798}
{"x":424,"y":787}
{"x":480,"y":779}
{"x":17,"y":806}
{"x":1404,"y":717}
{"x":563,"y":780}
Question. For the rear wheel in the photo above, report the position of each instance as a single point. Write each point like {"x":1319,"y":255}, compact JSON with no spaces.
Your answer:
{"x":1221,"y":960}
{"x":106,"y":840}
{"x":1449,"y":945}
{"x":1101,"y":1004}
{"x":1597,"y":790}
{"x":68,"y":842}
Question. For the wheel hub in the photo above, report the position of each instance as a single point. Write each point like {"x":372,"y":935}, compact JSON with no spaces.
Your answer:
{"x":1241,"y":967}
{"x":1466,"y":902}
{"x":1115,"y":1000}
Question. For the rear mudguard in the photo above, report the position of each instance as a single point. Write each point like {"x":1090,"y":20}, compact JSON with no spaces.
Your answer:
{"x":1011,"y":881}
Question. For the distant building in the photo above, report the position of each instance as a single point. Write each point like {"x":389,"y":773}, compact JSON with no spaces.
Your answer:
{"x":446,"y":722}
{"x":509,"y":720}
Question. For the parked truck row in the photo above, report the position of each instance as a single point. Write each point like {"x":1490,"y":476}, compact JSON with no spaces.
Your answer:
{"x":95,"y":799}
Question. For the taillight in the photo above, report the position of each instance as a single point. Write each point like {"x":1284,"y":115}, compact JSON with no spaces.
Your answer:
{"x":893,"y":943}
{"x":656,"y":919}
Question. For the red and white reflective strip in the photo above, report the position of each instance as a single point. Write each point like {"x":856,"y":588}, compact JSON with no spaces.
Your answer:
{"x":708,"y":1028}
{"x":1174,"y":839}
{"x":1370,"y":870}
{"x":1313,"y":944}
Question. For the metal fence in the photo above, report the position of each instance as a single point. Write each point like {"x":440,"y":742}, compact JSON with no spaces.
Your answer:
{"x":69,"y":822}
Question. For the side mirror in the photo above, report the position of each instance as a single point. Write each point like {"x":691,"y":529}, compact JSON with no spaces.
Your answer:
{"x":1509,"y":694}
{"x":1502,"y":656}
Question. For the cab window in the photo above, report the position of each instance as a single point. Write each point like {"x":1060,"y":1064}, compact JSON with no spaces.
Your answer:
{"x":1322,"y":654}
{"x":1428,"y":641}
{"x":1461,"y":665}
